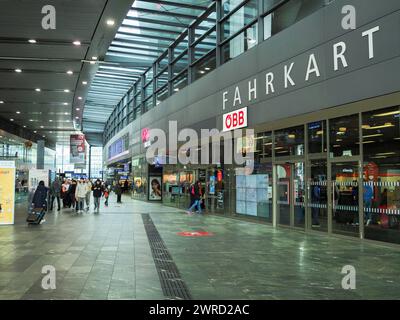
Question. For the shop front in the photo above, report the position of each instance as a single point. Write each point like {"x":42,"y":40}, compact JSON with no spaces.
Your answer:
{"x":337,"y":173}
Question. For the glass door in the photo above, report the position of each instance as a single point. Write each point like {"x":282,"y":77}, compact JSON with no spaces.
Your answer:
{"x":345,"y":198}
{"x":290,"y":186}
{"x":318,"y":195}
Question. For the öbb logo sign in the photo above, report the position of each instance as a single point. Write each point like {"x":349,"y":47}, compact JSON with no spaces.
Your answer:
{"x":235,"y":120}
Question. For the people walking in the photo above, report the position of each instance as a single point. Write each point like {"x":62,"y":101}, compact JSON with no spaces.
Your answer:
{"x":118,"y":191}
{"x":196,"y":193}
{"x":88,"y":192}
{"x":97,"y":192}
{"x":106,"y":194}
{"x":80,"y":195}
{"x":55,"y":192}
{"x":71,"y":194}
{"x":64,"y":193}
{"x":39,"y":200}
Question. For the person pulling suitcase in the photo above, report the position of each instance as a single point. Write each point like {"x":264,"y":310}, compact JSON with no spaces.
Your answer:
{"x":39,"y":203}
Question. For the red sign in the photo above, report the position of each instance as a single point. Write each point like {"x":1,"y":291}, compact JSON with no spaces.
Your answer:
{"x":235,"y":120}
{"x":77,"y":148}
{"x":194,"y":234}
{"x":145,"y":135}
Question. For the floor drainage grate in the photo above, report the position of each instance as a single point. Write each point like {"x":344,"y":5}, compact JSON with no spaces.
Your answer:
{"x":171,"y":282}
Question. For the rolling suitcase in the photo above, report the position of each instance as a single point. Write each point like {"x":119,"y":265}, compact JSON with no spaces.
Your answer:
{"x":36,"y":216}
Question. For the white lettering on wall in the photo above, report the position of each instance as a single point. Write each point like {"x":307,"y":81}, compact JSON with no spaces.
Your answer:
{"x":288,"y":78}
{"x":253,"y":89}
{"x":370,"y":34}
{"x":224,"y":99}
{"x":312,"y":67}
{"x":237,"y":97}
{"x":269,"y":77}
{"x":339,"y":55}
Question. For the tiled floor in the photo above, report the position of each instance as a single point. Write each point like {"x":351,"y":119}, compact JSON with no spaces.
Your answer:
{"x":108,"y":256}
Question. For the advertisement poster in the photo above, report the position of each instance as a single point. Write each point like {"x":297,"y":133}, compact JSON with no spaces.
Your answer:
{"x":7,"y":192}
{"x":35,"y":176}
{"x":212,"y":185}
{"x":155,"y":188}
{"x":77,"y":148}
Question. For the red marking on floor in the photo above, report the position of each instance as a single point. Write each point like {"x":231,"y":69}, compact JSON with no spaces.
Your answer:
{"x":195,"y":234}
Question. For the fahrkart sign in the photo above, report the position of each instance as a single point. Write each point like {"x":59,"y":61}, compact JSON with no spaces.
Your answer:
{"x":235,"y":120}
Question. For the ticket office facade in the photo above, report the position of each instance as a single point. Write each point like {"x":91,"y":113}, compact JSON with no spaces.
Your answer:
{"x":322,"y":110}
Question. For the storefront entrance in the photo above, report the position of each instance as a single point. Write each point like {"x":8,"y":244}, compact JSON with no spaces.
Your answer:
{"x":290,"y":187}
{"x":302,"y":199}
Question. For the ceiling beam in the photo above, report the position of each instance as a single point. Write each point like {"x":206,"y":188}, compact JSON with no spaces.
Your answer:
{"x":177,"y":4}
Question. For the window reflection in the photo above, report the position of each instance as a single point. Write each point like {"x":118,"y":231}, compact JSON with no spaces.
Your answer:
{"x":344,"y":136}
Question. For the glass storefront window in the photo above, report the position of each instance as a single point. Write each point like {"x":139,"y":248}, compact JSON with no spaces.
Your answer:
{"x":239,"y":19}
{"x":264,"y":145}
{"x":288,"y":14}
{"x":344,"y":136}
{"x":149,"y":90}
{"x":162,"y":94}
{"x":205,"y":45}
{"x":289,"y":142}
{"x":269,"y":4}
{"x":205,"y":25}
{"x":317,"y":137}
{"x":180,"y":82}
{"x":180,"y":65}
{"x":204,"y":66}
{"x":241,"y":43}
{"x":162,"y":79}
{"x":381,"y":174}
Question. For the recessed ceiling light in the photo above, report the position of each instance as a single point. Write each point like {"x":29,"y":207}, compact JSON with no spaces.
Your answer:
{"x":18,"y":112}
{"x":84,"y":83}
{"x":79,"y":98}
{"x":77,"y":109}
{"x":66,"y":113}
{"x":92,"y":62}
{"x":207,"y":68}
{"x":11,"y":119}
{"x":65,"y":103}
{"x":66,"y":90}
{"x":35,"y":131}
{"x":50,"y":120}
{"x":70,"y":72}
{"x":76,"y":117}
{"x":110,"y":22}
{"x":94,"y":58}
{"x":1,"y":102}
{"x":41,"y":127}
{"x":77,"y":43}
{"x":24,"y":126}
{"x":32,"y":41}
{"x":18,"y":70}
{"x":30,"y":120}
{"x":38,"y":89}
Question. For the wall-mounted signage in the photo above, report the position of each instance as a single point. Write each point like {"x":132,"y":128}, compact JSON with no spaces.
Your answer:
{"x":77,"y":148}
{"x":119,"y":147}
{"x":235,"y":120}
{"x":7,"y":192}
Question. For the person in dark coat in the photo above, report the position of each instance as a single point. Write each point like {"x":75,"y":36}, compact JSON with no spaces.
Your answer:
{"x":97,"y":193}
{"x":40,"y":197}
{"x":118,"y":191}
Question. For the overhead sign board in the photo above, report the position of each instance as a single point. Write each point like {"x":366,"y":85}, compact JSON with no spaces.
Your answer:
{"x":235,"y":120}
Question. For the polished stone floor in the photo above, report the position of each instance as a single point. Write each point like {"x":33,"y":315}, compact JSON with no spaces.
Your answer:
{"x":108,"y":256}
